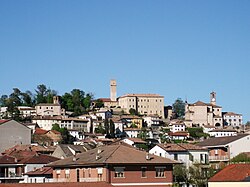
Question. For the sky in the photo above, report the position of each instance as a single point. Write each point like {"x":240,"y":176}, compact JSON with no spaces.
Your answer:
{"x":179,"y":49}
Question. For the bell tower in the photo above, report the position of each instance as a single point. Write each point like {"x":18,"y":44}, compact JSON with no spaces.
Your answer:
{"x":213,"y":98}
{"x":113,"y":90}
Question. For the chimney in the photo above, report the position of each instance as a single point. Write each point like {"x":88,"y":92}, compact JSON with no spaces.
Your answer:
{"x":147,"y":156}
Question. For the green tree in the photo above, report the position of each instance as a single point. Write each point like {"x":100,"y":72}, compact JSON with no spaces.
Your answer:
{"x":99,"y":103}
{"x":27,"y":99}
{"x":106,"y":126}
{"x":180,"y":174}
{"x":196,"y":132}
{"x":143,"y":134}
{"x":100,"y":129}
{"x":132,"y":111}
{"x":240,"y":158}
{"x":41,"y":93}
{"x":179,"y":108}
{"x":3,"y":100}
{"x":56,"y":127}
{"x":66,"y":137}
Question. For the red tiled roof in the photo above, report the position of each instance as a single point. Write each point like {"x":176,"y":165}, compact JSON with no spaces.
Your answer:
{"x":137,"y":140}
{"x":41,"y":171}
{"x":232,"y":173}
{"x":60,"y":184}
{"x":180,"y":147}
{"x":40,"y":131}
{"x":179,"y":133}
{"x":21,"y":154}
{"x":55,"y":132}
{"x":3,"y":121}
{"x":39,"y":159}
{"x":7,"y":159}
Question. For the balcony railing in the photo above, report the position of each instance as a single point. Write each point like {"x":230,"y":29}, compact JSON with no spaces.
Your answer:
{"x":218,"y":158}
{"x":10,"y":176}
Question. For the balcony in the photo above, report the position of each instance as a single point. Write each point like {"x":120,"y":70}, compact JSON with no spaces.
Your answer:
{"x":218,"y":158}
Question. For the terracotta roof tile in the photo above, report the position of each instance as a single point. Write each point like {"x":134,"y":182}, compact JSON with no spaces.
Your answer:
{"x":232,"y":173}
{"x":41,"y":171}
{"x":39,"y":159}
{"x":180,"y":147}
{"x":40,"y":131}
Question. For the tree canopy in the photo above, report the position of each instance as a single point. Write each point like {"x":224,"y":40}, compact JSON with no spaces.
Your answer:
{"x":179,"y":108}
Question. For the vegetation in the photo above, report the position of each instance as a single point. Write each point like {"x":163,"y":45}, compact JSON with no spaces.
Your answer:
{"x":132,"y":111}
{"x":66,"y":137}
{"x":196,"y":132}
{"x":179,"y":108}
{"x":77,"y":101}
{"x":143,"y":134}
{"x":241,"y":158}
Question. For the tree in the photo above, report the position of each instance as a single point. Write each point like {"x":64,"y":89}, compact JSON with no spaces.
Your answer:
{"x":3,"y":100}
{"x":240,"y":158}
{"x":106,"y":126}
{"x":56,"y":127}
{"x":180,"y":174}
{"x":99,"y":103}
{"x":179,"y":108}
{"x":143,"y":134}
{"x":66,"y":137}
{"x":196,"y":132}
{"x":100,"y":129}
{"x":27,"y":99}
{"x":132,"y":111}
{"x":41,"y":93}
{"x":112,"y":129}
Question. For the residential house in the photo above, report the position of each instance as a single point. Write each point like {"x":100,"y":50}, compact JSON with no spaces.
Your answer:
{"x":200,"y":113}
{"x":26,"y":111}
{"x":132,"y":132}
{"x":130,"y":120}
{"x":231,"y":176}
{"x":188,"y":154}
{"x":79,"y":135}
{"x":13,"y":133}
{"x":179,"y":135}
{"x":222,"y":133}
{"x":118,"y":165}
{"x":177,"y":126}
{"x":208,"y":128}
{"x":222,"y":149}
{"x":13,"y":166}
{"x":40,"y":175}
{"x":48,"y":138}
{"x":151,"y":120}
{"x":232,"y":119}
{"x":104,"y":114}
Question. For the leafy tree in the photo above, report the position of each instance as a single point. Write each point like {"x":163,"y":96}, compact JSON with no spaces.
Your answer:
{"x":100,"y":129}
{"x":27,"y":99}
{"x":132,"y":111}
{"x":133,"y":125}
{"x":196,"y":132}
{"x":179,"y":108}
{"x":66,"y":137}
{"x":180,"y":174}
{"x":99,"y":103}
{"x":56,"y":127}
{"x":106,"y":126}
{"x":41,"y":93}
{"x":143,"y":134}
{"x":3,"y":100}
{"x":242,"y":157}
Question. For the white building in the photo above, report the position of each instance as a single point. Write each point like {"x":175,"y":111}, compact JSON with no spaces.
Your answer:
{"x":232,"y":119}
{"x":222,"y":133}
{"x":187,"y":154}
{"x":151,"y":120}
{"x":177,"y":126}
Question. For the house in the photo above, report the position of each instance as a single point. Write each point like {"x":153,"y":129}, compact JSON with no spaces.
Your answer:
{"x":231,"y":175}
{"x":118,"y":165}
{"x":132,"y":132}
{"x":188,"y":154}
{"x":66,"y":150}
{"x":26,"y":111}
{"x":40,"y":175}
{"x":44,"y":137}
{"x":50,"y":109}
{"x":104,"y":114}
{"x":79,"y":135}
{"x":13,"y":166}
{"x":208,"y":128}
{"x":200,"y":113}
{"x":222,"y":149}
{"x":232,"y":119}
{"x":151,"y":120}
{"x":130,"y":120}
{"x":222,"y":133}
{"x":179,"y":135}
{"x":13,"y":133}
{"x":177,"y":126}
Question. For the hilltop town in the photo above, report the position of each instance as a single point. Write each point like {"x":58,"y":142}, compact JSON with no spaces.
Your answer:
{"x":128,"y":140}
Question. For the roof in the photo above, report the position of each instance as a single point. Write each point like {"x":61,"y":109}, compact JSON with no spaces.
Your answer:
{"x":232,"y":173}
{"x":77,"y":148}
{"x":142,"y":95}
{"x":221,"y":140}
{"x":3,"y":121}
{"x":231,"y":114}
{"x":60,"y":184}
{"x":55,"y":132}
{"x":178,"y":133}
{"x":223,"y":130}
{"x":6,"y":159}
{"x":38,"y":159}
{"x":136,"y":140}
{"x":40,"y":131}
{"x":48,"y":104}
{"x":41,"y":171}
{"x":180,"y":147}
{"x":111,"y":154}
{"x":200,"y":103}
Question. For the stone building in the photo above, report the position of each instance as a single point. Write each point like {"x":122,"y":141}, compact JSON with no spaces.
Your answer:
{"x":200,"y":113}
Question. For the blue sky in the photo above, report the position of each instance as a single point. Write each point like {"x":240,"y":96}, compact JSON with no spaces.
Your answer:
{"x":176,"y":48}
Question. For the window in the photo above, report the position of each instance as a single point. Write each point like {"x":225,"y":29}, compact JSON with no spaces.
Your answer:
{"x":143,"y":172}
{"x":119,"y":172}
{"x":159,"y":172}
{"x":67,"y":175}
{"x":175,"y":157}
{"x":78,"y":175}
{"x":201,"y":157}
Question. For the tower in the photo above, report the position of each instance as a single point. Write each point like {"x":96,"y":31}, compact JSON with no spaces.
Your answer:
{"x":113,"y":90}
{"x":213,"y":98}
{"x":56,"y":100}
